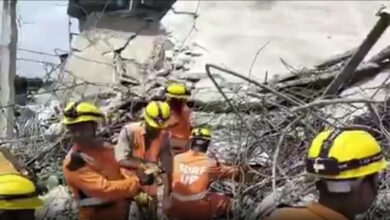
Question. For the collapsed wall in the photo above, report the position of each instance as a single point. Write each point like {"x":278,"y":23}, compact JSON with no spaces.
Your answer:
{"x":265,"y":121}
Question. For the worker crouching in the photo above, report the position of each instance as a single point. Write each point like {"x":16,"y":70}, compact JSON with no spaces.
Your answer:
{"x":346,"y":163}
{"x":99,"y":187}
{"x":193,"y":173}
{"x":179,"y":124}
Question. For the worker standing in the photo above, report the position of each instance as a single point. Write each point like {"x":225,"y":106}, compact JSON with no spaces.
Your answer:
{"x":99,"y":187}
{"x":146,"y":145}
{"x":193,"y":173}
{"x":180,"y":121}
{"x":347,"y":163}
{"x":18,"y":192}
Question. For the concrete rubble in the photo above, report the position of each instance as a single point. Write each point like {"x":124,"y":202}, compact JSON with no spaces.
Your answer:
{"x":264,"y":122}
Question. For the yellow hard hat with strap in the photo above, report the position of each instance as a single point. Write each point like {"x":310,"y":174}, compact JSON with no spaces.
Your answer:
{"x":204,"y":133}
{"x":177,"y":90}
{"x":18,"y":192}
{"x":344,"y":154}
{"x":200,"y":137}
{"x":156,"y":114}
{"x":77,"y":112}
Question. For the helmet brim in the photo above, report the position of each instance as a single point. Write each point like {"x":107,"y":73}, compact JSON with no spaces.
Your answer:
{"x":17,"y":204}
{"x":85,"y":118}
{"x":177,"y":96}
{"x":367,"y":170}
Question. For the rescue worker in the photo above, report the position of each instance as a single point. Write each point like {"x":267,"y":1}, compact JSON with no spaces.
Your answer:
{"x":180,"y":121}
{"x":193,"y":173}
{"x":347,"y":163}
{"x":18,"y":193}
{"x":99,"y":187}
{"x":144,"y":145}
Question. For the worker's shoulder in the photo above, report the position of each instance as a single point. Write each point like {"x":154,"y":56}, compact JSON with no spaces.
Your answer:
{"x":182,"y":156}
{"x":76,"y":160}
{"x":293,"y":213}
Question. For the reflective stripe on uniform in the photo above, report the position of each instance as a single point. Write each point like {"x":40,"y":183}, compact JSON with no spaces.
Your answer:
{"x":189,"y":198}
{"x":92,"y":202}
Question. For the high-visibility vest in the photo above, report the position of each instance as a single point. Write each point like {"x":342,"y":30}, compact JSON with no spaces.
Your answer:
{"x":191,"y":178}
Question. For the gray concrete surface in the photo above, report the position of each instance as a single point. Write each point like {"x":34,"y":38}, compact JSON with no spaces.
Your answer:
{"x":230,"y":33}
{"x":301,"y":32}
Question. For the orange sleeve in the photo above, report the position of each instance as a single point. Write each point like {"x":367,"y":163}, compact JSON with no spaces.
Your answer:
{"x":95,"y":185}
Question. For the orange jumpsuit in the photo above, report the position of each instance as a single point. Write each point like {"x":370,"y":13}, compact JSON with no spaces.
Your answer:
{"x":314,"y":211}
{"x":179,"y":125}
{"x":99,"y":188}
{"x":132,"y":143}
{"x":193,"y":173}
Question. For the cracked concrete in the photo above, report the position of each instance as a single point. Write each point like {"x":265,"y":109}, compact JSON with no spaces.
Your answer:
{"x":227,"y":33}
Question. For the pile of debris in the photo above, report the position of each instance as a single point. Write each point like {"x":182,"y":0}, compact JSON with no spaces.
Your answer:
{"x":264,"y":125}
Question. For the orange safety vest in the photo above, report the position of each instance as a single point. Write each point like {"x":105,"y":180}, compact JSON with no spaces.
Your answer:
{"x":139,"y":149}
{"x":103,"y":165}
{"x":191,"y":176}
{"x":193,"y":173}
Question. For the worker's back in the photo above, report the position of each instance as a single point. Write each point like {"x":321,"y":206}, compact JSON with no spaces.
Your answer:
{"x":314,"y":211}
{"x":190,"y":173}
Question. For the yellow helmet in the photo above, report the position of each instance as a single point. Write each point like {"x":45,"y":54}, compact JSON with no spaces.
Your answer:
{"x":177,"y":90}
{"x":76,"y":112}
{"x":204,"y":133}
{"x":18,"y":192}
{"x":156,"y":114}
{"x":345,"y":154}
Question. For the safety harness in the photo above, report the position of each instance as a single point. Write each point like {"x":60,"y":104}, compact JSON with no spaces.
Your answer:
{"x":325,"y":165}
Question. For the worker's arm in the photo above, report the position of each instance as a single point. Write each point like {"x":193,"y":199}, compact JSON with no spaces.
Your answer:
{"x":95,"y":185}
{"x":123,"y":151}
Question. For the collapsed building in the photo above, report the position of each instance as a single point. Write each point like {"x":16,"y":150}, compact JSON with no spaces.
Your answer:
{"x":128,"y":50}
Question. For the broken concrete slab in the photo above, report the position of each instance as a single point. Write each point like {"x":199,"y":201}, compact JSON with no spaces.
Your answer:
{"x":220,"y":32}
{"x":88,"y":64}
{"x":139,"y":49}
{"x":80,"y":42}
